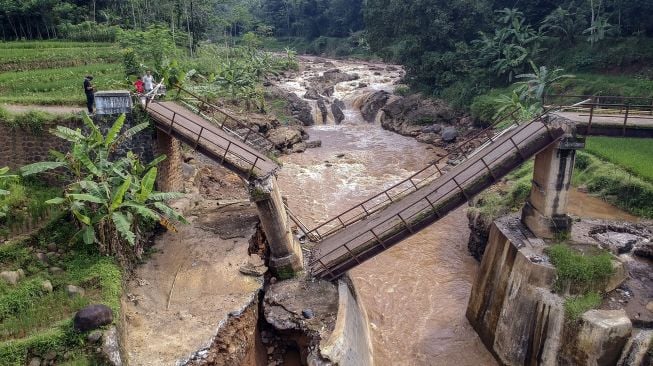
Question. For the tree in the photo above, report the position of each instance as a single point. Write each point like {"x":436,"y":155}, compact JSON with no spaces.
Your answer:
{"x":112,"y":198}
{"x":536,"y":84}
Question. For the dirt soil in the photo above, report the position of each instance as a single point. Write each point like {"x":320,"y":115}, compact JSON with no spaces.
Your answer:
{"x":176,"y":300}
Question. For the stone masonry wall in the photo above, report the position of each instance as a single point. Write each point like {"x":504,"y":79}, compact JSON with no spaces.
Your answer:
{"x":21,"y":145}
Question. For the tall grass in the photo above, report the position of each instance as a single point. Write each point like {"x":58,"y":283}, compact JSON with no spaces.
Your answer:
{"x":633,"y":154}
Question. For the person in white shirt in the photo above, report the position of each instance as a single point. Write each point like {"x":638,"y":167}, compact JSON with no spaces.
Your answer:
{"x":148,"y":80}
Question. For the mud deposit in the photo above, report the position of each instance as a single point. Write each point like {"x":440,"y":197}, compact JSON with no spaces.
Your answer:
{"x":176,"y":301}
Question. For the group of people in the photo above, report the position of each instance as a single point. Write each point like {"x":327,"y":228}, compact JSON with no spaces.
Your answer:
{"x":143,"y":85}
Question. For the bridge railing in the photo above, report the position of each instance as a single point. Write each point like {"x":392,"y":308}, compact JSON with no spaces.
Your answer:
{"x":224,"y":120}
{"x":408,"y":185}
{"x":621,"y":110}
{"x":418,"y":211}
{"x":196,"y":135}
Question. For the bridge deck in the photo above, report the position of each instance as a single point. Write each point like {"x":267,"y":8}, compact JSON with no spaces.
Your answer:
{"x":210,"y":140}
{"x":598,"y":123}
{"x":356,"y":243}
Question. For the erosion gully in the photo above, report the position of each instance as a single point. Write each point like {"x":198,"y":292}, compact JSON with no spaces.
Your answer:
{"x":415,"y":293}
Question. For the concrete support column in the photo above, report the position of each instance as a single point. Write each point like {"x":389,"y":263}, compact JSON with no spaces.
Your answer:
{"x":170,"y":177}
{"x":285,"y":253}
{"x":545,"y":212}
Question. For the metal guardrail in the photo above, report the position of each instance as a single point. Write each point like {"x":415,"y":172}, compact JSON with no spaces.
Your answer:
{"x":207,"y":139}
{"x":628,"y":108}
{"x":407,"y":222}
{"x":225,"y":120}
{"x":404,"y":187}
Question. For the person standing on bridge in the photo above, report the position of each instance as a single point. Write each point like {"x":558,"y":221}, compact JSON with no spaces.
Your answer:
{"x":89,"y":90}
{"x":148,"y":79}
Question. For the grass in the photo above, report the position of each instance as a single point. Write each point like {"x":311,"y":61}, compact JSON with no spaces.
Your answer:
{"x":34,"y":322}
{"x":632,"y":154}
{"x":576,"y":306}
{"x":581,"y":271}
{"x":52,"y":72}
{"x":24,"y":59}
{"x":58,"y":86}
{"x":614,"y":184}
{"x":598,"y":84}
{"x":25,"y":203}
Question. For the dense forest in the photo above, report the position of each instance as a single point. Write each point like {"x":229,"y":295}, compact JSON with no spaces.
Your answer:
{"x":452,"y":49}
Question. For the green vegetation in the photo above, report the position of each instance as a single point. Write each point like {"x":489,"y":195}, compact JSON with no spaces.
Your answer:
{"x":60,"y":86}
{"x":18,"y":56}
{"x":112,"y":198}
{"x":577,"y":271}
{"x":632,"y":154}
{"x":499,"y":201}
{"x":576,"y":306}
{"x":35,"y":321}
{"x":615,"y":185}
{"x":23,"y":203}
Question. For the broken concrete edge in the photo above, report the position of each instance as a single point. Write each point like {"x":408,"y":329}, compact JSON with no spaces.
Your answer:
{"x":515,"y":278}
{"x":204,"y":348}
{"x":350,"y":342}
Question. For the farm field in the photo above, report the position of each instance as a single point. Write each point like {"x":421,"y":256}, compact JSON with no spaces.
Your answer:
{"x":632,"y":154}
{"x":52,"y":72}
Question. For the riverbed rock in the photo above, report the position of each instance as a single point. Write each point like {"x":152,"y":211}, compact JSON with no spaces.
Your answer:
{"x":285,"y":137}
{"x":34,"y":361}
{"x":312,"y":93}
{"x":94,"y":336}
{"x":10,"y":277}
{"x":313,"y":144}
{"x":92,"y":317}
{"x":373,"y":103}
{"x":617,"y":243}
{"x":324,"y":112}
{"x":338,"y":114}
{"x":635,"y":352}
{"x":428,"y":138}
{"x":42,"y":258}
{"x":436,"y":128}
{"x":111,"y":347}
{"x":449,"y":134}
{"x":299,"y":147}
{"x":644,"y":250}
{"x":296,"y":106}
{"x":47,"y":286}
{"x":74,"y":291}
{"x":407,"y":115}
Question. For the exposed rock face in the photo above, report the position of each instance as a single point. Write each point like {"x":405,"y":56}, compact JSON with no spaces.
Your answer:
{"x":373,"y":104}
{"x":299,"y":108}
{"x":336,"y":110}
{"x":285,"y":137}
{"x":408,"y":115}
{"x":92,"y":317}
{"x":10,"y":277}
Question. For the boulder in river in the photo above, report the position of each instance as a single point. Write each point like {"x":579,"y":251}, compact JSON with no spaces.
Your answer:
{"x":336,"y":110}
{"x":449,"y":134}
{"x":407,"y":115}
{"x":373,"y":104}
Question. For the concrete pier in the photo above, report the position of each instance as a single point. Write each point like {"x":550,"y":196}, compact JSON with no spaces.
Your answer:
{"x":285,"y":258}
{"x":545,"y":212}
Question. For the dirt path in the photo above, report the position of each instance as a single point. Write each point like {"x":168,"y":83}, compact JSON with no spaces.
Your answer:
{"x":54,"y":109}
{"x":176,"y":301}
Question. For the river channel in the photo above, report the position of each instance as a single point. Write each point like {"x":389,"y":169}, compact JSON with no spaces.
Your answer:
{"x":416,"y":293}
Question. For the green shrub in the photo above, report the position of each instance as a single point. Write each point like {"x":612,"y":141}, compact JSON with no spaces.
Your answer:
{"x":402,"y":90}
{"x":576,"y":306}
{"x":483,"y":110}
{"x":578,"y":271}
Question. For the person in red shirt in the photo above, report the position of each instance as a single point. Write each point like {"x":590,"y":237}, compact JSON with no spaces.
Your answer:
{"x":139,"y":85}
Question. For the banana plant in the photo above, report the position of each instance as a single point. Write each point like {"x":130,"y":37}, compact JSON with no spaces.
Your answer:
{"x":112,"y":198}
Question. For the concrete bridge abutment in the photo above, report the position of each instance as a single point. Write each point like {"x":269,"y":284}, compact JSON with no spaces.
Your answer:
{"x":285,"y":258}
{"x":545,"y":211}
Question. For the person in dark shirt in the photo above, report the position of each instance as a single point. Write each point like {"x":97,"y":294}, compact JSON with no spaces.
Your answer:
{"x":89,"y":90}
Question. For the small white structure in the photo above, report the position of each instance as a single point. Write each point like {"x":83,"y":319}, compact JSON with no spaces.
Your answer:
{"x":113,"y":102}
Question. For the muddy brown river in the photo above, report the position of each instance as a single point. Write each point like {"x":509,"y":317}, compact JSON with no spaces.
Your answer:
{"x":416,"y":293}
